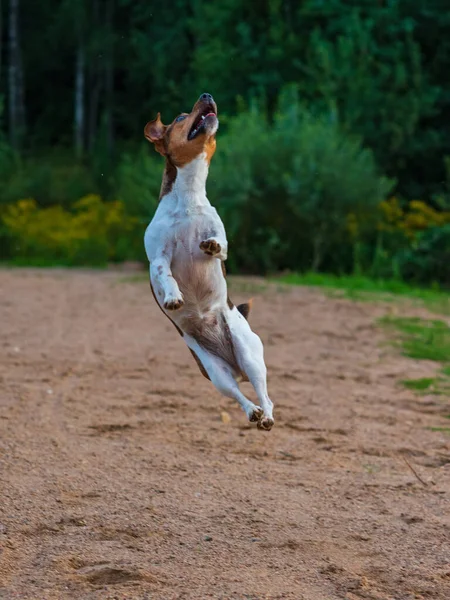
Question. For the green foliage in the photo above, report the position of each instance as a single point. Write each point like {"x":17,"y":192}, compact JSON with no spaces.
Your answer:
{"x":285,"y":188}
{"x":297,"y":185}
{"x":139,"y":181}
{"x":50,"y":180}
{"x":379,"y":65}
{"x":369,"y":70}
{"x":429,"y":258}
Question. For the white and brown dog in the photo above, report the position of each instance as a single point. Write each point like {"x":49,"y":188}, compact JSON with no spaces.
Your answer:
{"x":186,"y":246}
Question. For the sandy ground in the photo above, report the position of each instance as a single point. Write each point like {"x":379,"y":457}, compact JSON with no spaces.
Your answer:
{"x":124,"y":474}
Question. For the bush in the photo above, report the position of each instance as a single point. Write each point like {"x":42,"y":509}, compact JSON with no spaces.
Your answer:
{"x":49,"y":180}
{"x":94,"y":232}
{"x":295,"y":192}
{"x":286,"y":189}
{"x":139,"y":182}
{"x":429,"y":258}
{"x":411,"y":242}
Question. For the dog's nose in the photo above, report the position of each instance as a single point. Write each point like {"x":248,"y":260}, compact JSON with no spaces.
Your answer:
{"x":207,"y":97}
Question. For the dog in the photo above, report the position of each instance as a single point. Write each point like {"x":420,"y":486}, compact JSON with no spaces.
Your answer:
{"x":186,"y":246}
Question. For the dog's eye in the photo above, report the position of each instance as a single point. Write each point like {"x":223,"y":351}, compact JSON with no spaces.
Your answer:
{"x":180,"y":118}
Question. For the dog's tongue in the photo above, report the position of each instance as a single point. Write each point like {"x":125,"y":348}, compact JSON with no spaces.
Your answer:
{"x":210,"y":115}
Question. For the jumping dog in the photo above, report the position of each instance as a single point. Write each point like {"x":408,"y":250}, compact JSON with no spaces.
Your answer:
{"x":186,"y":246}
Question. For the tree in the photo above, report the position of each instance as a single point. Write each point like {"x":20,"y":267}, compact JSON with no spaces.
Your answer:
{"x":79,"y":98}
{"x":16,"y":79}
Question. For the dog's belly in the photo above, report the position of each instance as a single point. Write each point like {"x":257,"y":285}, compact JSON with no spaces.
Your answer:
{"x":201,"y":281}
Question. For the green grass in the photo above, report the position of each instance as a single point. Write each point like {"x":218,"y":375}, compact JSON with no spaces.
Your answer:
{"x":419,"y":385}
{"x":441,"y":429}
{"x":420,"y":338}
{"x":358,"y":287}
{"x":438,"y":386}
{"x":423,"y":340}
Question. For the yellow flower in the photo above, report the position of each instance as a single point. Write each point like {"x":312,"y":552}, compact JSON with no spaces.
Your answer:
{"x":55,"y":231}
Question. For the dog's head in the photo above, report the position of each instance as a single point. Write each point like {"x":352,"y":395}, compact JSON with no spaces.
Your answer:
{"x":189,"y":134}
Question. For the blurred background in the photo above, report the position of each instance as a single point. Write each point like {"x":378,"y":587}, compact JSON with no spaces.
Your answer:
{"x":334,"y":142}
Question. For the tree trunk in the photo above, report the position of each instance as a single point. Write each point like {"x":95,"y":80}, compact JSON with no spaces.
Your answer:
{"x":109,"y":78}
{"x":12,"y":75}
{"x":317,"y":251}
{"x":93,"y":107}
{"x":1,"y":41}
{"x":20,"y":92}
{"x":15,"y":79}
{"x":95,"y":82}
{"x":79,"y":96}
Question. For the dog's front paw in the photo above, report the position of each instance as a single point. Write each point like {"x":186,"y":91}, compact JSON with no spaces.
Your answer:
{"x":173,"y":303}
{"x":210,"y":247}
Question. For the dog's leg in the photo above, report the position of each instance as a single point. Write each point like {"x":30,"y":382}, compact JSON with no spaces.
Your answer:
{"x":250,"y":356}
{"x":162,"y":279}
{"x":222,"y":378}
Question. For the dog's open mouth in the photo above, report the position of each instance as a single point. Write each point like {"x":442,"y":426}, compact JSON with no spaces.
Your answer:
{"x":207,"y":114}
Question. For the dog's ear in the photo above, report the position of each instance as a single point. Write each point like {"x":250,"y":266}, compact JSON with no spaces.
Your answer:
{"x":154,"y":131}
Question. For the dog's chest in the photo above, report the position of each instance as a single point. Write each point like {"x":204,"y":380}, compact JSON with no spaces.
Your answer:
{"x":190,"y":227}
{"x":181,"y":228}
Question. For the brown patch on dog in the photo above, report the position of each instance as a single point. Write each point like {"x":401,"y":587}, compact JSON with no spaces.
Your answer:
{"x":156,"y":300}
{"x":215,"y":337}
{"x":224,"y":273}
{"x":197,"y":360}
{"x":229,"y":338}
{"x":181,"y":150}
{"x":172,"y":141}
{"x":245,"y":308}
{"x":155,"y":131}
{"x":210,"y":148}
{"x":210,"y":247}
{"x":169,"y":176}
{"x":200,"y":365}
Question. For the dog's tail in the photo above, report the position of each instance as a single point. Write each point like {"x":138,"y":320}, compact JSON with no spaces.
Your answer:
{"x":245,"y":308}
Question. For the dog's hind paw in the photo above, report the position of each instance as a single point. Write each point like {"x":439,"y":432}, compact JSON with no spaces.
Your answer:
{"x":256,"y":415}
{"x":211,"y":247}
{"x":265,"y":424}
{"x":173,"y":303}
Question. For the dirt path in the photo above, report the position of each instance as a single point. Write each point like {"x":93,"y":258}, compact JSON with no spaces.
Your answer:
{"x":119,"y":478}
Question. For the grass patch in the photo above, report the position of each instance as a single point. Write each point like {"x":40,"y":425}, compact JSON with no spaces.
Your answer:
{"x":419,"y":384}
{"x":438,"y":386}
{"x":420,"y":338}
{"x":441,"y":429}
{"x":424,"y":340}
{"x":356,"y":287}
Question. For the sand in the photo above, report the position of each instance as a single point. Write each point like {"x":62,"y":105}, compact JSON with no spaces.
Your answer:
{"x":124,"y":473}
